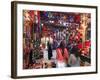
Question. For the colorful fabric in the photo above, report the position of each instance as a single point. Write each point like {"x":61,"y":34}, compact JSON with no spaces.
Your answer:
{"x":61,"y":57}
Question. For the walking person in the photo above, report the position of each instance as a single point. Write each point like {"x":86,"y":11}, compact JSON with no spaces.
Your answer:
{"x":62,"y":55}
{"x":49,"y":50}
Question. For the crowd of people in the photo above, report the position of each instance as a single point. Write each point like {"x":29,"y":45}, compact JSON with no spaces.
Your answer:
{"x":48,"y":43}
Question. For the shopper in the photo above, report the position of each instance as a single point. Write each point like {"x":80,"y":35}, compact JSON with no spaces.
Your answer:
{"x":62,"y":55}
{"x":74,"y":59}
{"x":49,"y":50}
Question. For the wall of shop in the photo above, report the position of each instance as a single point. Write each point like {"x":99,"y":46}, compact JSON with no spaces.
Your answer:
{"x":5,"y":40}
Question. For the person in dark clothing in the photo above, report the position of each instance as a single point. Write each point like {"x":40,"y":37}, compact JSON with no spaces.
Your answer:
{"x":30,"y":57}
{"x":75,"y":51}
{"x":49,"y":50}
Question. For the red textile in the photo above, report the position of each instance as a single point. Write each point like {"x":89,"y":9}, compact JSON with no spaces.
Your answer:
{"x":80,"y":46}
{"x":77,"y":18}
{"x":61,"y":57}
{"x":87,"y":43}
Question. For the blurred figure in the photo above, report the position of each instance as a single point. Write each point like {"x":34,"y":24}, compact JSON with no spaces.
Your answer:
{"x":26,"y":51}
{"x":55,"y":43}
{"x":31,"y":58}
{"x":49,"y":50}
{"x":62,"y":55}
{"x":74,"y":59}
